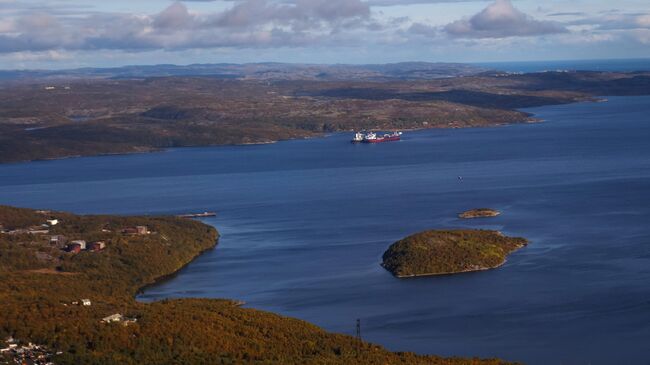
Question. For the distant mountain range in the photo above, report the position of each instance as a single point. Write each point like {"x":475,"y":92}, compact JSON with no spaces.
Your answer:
{"x":264,"y":71}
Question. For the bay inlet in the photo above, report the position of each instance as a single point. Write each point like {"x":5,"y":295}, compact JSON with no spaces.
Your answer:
{"x":304,"y":224}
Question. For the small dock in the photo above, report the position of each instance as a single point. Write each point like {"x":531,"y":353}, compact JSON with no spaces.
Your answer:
{"x":197,"y":215}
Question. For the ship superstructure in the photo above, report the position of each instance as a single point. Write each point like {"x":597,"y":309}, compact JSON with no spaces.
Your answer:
{"x":372,"y":137}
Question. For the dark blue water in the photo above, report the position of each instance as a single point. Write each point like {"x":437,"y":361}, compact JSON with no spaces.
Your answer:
{"x":617,"y":65}
{"x":305,"y":223}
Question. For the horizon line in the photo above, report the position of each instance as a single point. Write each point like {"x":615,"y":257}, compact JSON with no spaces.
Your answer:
{"x":328,"y":64}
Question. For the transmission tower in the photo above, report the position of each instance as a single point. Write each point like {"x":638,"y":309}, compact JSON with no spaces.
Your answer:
{"x":359,"y":340}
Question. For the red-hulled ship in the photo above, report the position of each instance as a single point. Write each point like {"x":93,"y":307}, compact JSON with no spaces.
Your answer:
{"x":371,"y":137}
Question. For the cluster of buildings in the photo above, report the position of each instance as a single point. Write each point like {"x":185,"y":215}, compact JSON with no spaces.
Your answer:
{"x":44,"y":229}
{"x":52,"y":221}
{"x":77,"y":246}
{"x":14,"y":353}
{"x":40,"y":229}
{"x":74,"y":246}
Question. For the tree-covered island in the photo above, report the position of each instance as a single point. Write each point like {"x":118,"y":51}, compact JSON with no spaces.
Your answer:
{"x":439,"y":252}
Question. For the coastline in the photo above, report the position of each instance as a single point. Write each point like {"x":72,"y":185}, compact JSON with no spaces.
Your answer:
{"x":449,"y":273}
{"x":214,"y":329}
{"x":146,"y":150}
{"x":530,"y":119}
{"x":515,"y":267}
{"x":171,"y":275}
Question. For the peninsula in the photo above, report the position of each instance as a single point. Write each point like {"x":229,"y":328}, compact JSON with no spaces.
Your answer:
{"x":439,"y":252}
{"x":67,"y":297}
{"x":111,"y":111}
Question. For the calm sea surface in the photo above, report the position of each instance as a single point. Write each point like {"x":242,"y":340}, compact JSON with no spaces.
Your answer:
{"x":304,"y":224}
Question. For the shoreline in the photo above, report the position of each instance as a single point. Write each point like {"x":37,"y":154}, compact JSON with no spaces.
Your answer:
{"x":171,"y":275}
{"x":237,"y":323}
{"x":261,"y":143}
{"x":530,"y":119}
{"x":450,"y":273}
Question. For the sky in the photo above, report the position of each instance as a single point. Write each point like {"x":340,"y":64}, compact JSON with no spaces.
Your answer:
{"x":56,"y":34}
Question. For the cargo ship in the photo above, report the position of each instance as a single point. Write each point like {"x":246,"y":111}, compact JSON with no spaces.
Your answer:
{"x":372,"y":137}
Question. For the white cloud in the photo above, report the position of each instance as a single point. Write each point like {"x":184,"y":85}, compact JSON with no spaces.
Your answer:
{"x":619,"y":21}
{"x":501,"y":20}
{"x":248,"y":23}
{"x":41,"y":31}
{"x":40,"y":56}
{"x":176,"y":16}
{"x":411,"y":2}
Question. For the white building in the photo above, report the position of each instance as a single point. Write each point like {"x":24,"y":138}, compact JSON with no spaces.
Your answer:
{"x":52,"y":222}
{"x":113,"y":318}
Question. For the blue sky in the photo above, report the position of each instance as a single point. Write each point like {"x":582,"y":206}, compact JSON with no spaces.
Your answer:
{"x":76,"y":33}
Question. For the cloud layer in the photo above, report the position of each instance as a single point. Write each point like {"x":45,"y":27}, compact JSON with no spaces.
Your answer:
{"x":501,"y":20}
{"x":315,"y":30}
{"x":249,"y":23}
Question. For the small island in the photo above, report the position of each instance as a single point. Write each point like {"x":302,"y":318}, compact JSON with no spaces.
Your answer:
{"x":479,"y":213}
{"x":440,"y":252}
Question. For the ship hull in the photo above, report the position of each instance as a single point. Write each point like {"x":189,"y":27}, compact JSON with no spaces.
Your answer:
{"x":383,"y":139}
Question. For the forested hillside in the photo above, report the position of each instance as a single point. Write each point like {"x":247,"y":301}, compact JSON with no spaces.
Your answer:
{"x":62,"y":300}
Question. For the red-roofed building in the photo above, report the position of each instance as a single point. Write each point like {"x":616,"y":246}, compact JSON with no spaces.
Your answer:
{"x":73,"y":247}
{"x":97,"y":246}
